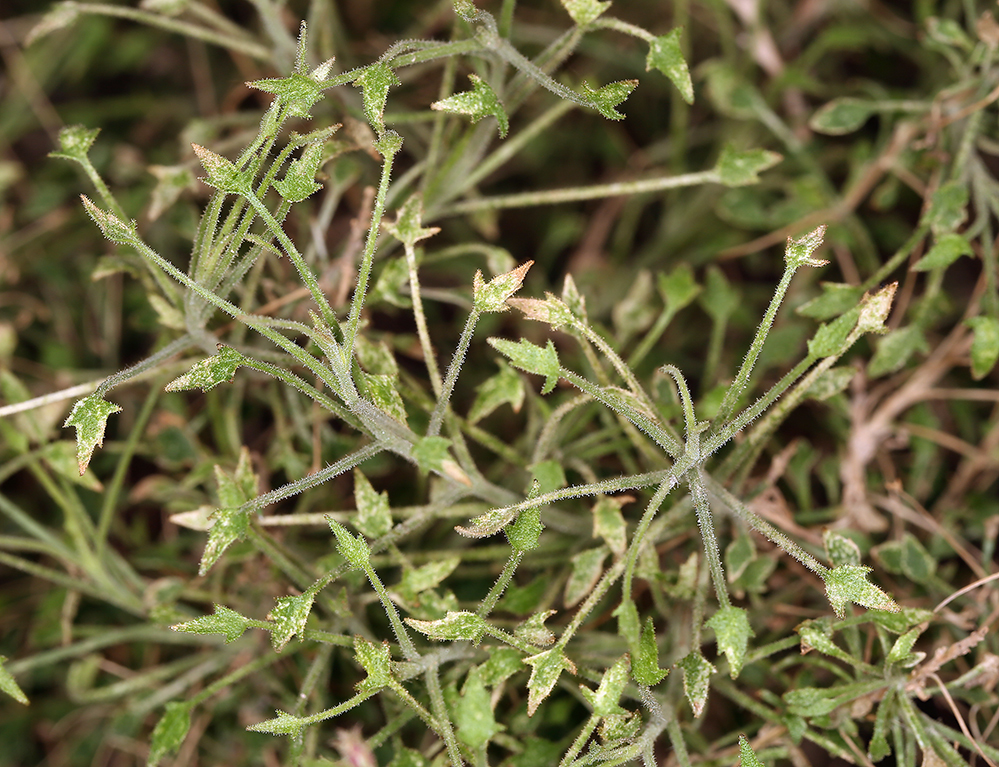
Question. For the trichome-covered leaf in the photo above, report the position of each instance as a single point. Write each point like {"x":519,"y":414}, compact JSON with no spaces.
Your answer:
{"x":737,"y":168}
{"x":945,"y":251}
{"x":984,"y":345}
{"x":289,"y":616}
{"x":473,"y":713}
{"x":492,"y":296}
{"x":666,"y":55}
{"x":453,"y":626}
{"x":351,"y":548}
{"x":604,"y":701}
{"x":504,"y":387}
{"x":732,"y":632}
{"x":609,"y":96}
{"x":375,"y":81}
{"x":376,"y":660}
{"x":208,"y":373}
{"x":89,"y":417}
{"x":587,"y":567}
{"x":169,"y":732}
{"x":645,"y":664}
{"x":697,"y":673}
{"x":546,"y":668}
{"x":477,"y":103}
{"x":374,"y":516}
{"x":222,"y":173}
{"x":841,"y":116}
{"x":848,"y":583}
{"x":75,"y":141}
{"x":223,"y":621}
{"x":747,"y":757}
{"x":531,"y":359}
{"x":9,"y":685}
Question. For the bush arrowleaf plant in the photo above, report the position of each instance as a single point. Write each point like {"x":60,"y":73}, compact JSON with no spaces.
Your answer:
{"x":571,"y":563}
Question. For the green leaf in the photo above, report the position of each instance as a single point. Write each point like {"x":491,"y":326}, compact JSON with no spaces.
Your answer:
{"x":299,"y":180}
{"x":473,"y":713}
{"x":604,"y":701}
{"x":848,"y":583}
{"x":619,"y":729}
{"x":283,"y":724}
{"x":629,"y":627}
{"x":666,"y":55}
{"x":841,"y":116}
{"x":241,"y":487}
{"x":678,"y":288}
{"x":587,"y":567}
{"x":110,"y":225}
{"x":732,"y":632}
{"x":61,"y":457}
{"x":836,"y":298}
{"x":408,"y":225}
{"x":551,"y":310}
{"x":799,"y":252}
{"x":389,"y":144}
{"x":901,"y":621}
{"x":488,"y":524}
{"x":492,"y":296}
{"x":223,"y":174}
{"x":477,"y":103}
{"x":229,"y":525}
{"x":354,"y":550}
{"x":223,"y":621}
{"x":169,"y":732}
{"x":609,"y":96}
{"x":383,"y":392}
{"x":810,"y":701}
{"x":376,"y":659}
{"x":503,"y":663}
{"x":416,"y":580}
{"x":89,"y":417}
{"x":502,"y":388}
{"x":831,"y":382}
{"x":171,"y":182}
{"x":645,"y":665}
{"x":840,"y":549}
{"x":453,"y":626}
{"x":584,"y":12}
{"x":874,"y":310}
{"x":296,"y":90}
{"x":546,"y":668}
{"x":832,"y":339}
{"x":524,"y":533}
{"x":984,"y":345}
{"x":895,"y":350}
{"x":901,"y":650}
{"x":75,"y":142}
{"x":737,"y":168}
{"x":534,"y":631}
{"x":637,"y":310}
{"x":817,"y":635}
{"x":948,"y":208}
{"x":948,"y":32}
{"x":747,"y":757}
{"x":945,"y":251}
{"x":9,"y":685}
{"x":375,"y":81}
{"x":878,"y":748}
{"x":719,"y":299}
{"x":697,"y":673}
{"x":430,"y":453}
{"x":289,"y":616}
{"x":374,"y":516}
{"x":609,"y":524}
{"x":531,"y":359}
{"x":550,"y":476}
{"x":907,"y":557}
{"x":208,"y":373}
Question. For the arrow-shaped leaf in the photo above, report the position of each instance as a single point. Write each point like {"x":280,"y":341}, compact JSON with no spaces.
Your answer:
{"x":89,"y":417}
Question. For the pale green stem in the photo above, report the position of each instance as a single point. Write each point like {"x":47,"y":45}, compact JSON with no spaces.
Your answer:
{"x":737,"y":387}
{"x":709,"y":541}
{"x":580,"y":741}
{"x":608,"y":22}
{"x":409,"y":650}
{"x":421,"y":322}
{"x":500,"y":586}
{"x":638,"y":537}
{"x":608,"y":579}
{"x":180,"y":27}
{"x":366,"y":261}
{"x":437,"y":417}
{"x":573,"y":194}
{"x":440,"y":712}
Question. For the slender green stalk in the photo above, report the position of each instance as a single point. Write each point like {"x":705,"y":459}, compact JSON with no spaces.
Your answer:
{"x":437,"y":417}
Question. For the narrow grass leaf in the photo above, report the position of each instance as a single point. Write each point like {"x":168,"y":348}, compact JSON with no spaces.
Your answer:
{"x":666,"y":55}
{"x":89,"y":417}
